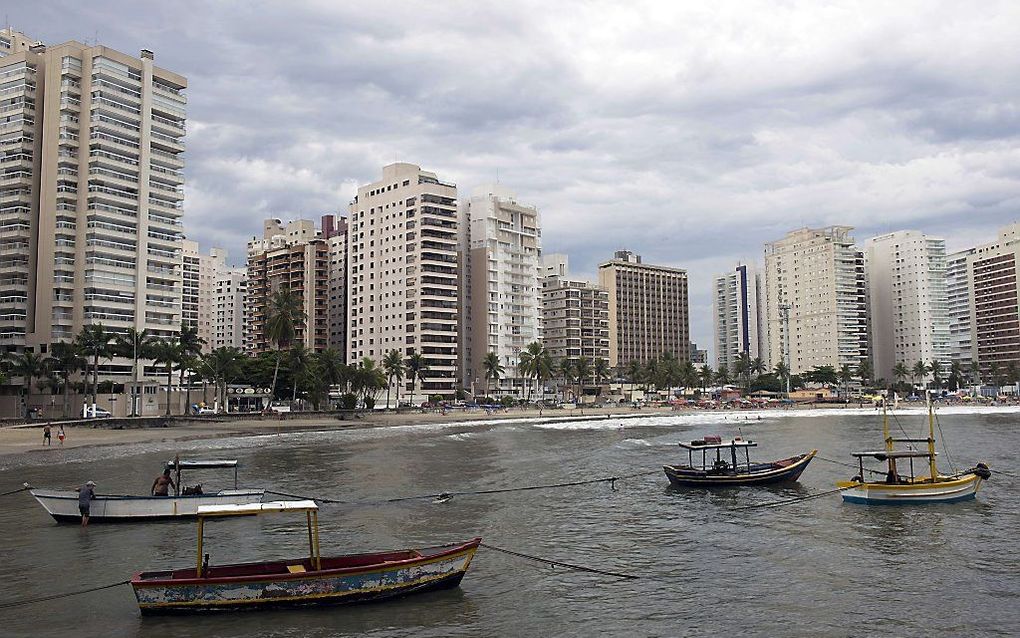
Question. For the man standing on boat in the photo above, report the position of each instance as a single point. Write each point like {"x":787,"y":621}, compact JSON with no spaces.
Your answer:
{"x":160,"y":487}
{"x":86,"y":493}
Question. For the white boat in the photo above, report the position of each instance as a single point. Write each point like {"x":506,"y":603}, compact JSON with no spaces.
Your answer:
{"x":62,"y":505}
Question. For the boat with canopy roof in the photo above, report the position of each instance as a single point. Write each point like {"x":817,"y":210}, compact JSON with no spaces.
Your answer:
{"x":721,"y":465}
{"x":62,"y":505}
{"x":302,"y":581}
{"x":906,"y":484}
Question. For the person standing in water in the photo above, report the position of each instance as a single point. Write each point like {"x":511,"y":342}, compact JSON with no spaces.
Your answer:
{"x":46,"y":435}
{"x":160,"y":487}
{"x":86,"y":493}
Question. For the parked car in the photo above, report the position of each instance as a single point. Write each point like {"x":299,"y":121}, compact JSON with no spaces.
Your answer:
{"x":279,"y":408}
{"x":204,"y":411}
{"x":102,"y":413}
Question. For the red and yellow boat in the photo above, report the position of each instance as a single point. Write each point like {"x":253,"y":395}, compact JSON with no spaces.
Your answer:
{"x":309,"y":580}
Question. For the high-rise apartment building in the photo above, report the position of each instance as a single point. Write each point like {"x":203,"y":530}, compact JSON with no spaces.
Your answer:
{"x":908,"y":302}
{"x":228,"y":309}
{"x":648,"y":313}
{"x":816,"y":277}
{"x":738,"y":316}
{"x":292,"y":257}
{"x":403,"y":273}
{"x":958,"y":298}
{"x":993,"y":276}
{"x":201,"y":276}
{"x":336,"y":312}
{"x":502,"y":289}
{"x":575,"y":314}
{"x":90,"y":194}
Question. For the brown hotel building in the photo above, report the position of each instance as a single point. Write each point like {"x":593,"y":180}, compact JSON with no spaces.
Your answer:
{"x":647,"y":309}
{"x":995,"y":314}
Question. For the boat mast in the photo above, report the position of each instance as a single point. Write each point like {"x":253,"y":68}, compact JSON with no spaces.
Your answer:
{"x":885,"y":428}
{"x":931,"y":437}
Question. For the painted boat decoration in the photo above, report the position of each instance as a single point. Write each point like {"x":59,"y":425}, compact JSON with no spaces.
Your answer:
{"x":305,"y":581}
{"x":721,"y":465}
{"x":900,"y":485}
{"x":62,"y":505}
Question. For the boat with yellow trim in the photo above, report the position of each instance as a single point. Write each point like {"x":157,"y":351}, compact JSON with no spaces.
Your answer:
{"x":309,"y":580}
{"x":901,"y":486}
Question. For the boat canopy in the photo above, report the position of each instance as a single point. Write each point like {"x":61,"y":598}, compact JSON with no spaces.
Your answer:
{"x":882,"y":455}
{"x":249,"y":509}
{"x":706,"y":445}
{"x":202,"y":464}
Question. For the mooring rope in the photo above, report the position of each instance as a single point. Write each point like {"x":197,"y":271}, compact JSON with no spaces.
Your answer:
{"x":40,"y":599}
{"x":23,"y":488}
{"x":556,"y":563}
{"x":845,"y":464}
{"x":448,"y":495}
{"x":792,"y":500}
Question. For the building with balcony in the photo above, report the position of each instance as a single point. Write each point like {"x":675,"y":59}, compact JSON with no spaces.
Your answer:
{"x":993,"y":273}
{"x":229,"y":293}
{"x":737,"y":316}
{"x":202,"y":279}
{"x":335,"y":231}
{"x":91,"y":188}
{"x":648,"y":314}
{"x":502,"y":287}
{"x":958,"y":298}
{"x":575,"y":314}
{"x":815,"y":287}
{"x":403,"y":274}
{"x":294,"y":257}
{"x":908,"y":301}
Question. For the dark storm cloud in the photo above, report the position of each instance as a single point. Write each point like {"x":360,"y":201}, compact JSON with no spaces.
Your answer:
{"x":689,"y":133}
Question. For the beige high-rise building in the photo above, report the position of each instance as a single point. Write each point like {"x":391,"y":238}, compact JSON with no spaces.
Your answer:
{"x":818,"y":274}
{"x":202,"y":274}
{"x":575,"y":314}
{"x":958,"y":297}
{"x":993,"y":283}
{"x":504,"y":291}
{"x":403,"y":273}
{"x":336,"y":240}
{"x":90,"y":198}
{"x":908,"y":303}
{"x":293,"y":257}
{"x":648,"y":313}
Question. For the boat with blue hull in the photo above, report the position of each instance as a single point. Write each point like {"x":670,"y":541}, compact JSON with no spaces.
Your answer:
{"x":306,"y":581}
{"x":721,"y":465}
{"x":901,"y":485}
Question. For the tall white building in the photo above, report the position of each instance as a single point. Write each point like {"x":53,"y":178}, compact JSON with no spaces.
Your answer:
{"x":818,"y":274}
{"x":336,"y":312}
{"x":90,"y":201}
{"x":201,"y":275}
{"x":908,"y":300}
{"x":229,"y":293}
{"x":403,"y":277}
{"x":958,"y":298}
{"x":738,"y":316}
{"x":502,"y":286}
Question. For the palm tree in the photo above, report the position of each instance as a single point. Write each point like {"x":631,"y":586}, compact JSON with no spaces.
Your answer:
{"x":167,"y":352}
{"x":134,"y":345}
{"x":298,"y":359}
{"x":707,"y":374}
{"x":864,"y":372}
{"x":393,"y":366}
{"x":920,"y":372}
{"x":94,"y":341}
{"x":633,"y":372}
{"x":688,"y":376}
{"x":900,"y":371}
{"x":722,"y":377}
{"x":191,"y":349}
{"x":284,"y":313}
{"x":956,"y":379}
{"x":187,"y":364}
{"x":417,"y":366}
{"x":758,"y":366}
{"x":846,"y":375}
{"x":935,"y":367}
{"x":742,"y":369}
{"x":600,"y":369}
{"x":528,"y":366}
{"x":65,"y":359}
{"x":545,"y":368}
{"x":583,"y":372}
{"x":566,"y":372}
{"x":493,"y":370}
{"x":369,"y":379}
{"x":29,"y":366}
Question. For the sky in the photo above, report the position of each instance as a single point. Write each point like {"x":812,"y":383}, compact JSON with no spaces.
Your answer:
{"x":689,"y":132}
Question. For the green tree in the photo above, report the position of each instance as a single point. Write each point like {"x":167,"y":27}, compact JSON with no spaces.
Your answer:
{"x":545,"y":368}
{"x":393,"y":365}
{"x":369,"y":380}
{"x":936,"y":368}
{"x":956,"y":376}
{"x":920,"y":373}
{"x":846,"y":375}
{"x":758,"y":367}
{"x":94,"y":341}
{"x":284,"y":313}
{"x":223,"y":365}
{"x":707,"y":375}
{"x":134,"y":345}
{"x":583,"y":372}
{"x":528,"y":363}
{"x":900,"y":371}
{"x":187,"y":365}
{"x":601,"y":370}
{"x":864,"y":373}
{"x":167,"y":352}
{"x":417,"y":366}
{"x":634,"y":372}
{"x":493,"y":370}
{"x":29,"y":366}
{"x":782,"y":372}
{"x":742,"y":369}
{"x":299,"y":358}
{"x":722,"y":376}
{"x":65,"y":360}
{"x":565,"y":370}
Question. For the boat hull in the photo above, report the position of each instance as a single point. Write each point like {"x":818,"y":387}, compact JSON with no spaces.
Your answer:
{"x":375,"y":580}
{"x":62,"y":505}
{"x":783,"y":471}
{"x":949,"y":491}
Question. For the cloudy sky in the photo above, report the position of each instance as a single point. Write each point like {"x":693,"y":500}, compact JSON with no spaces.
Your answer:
{"x":688,"y":132}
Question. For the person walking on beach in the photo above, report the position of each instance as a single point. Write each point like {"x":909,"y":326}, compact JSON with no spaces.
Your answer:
{"x":60,"y":434}
{"x":46,"y":440}
{"x":86,"y":493}
{"x":162,"y":483}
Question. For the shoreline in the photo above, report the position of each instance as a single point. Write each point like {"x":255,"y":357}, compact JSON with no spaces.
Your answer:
{"x":19,"y":441}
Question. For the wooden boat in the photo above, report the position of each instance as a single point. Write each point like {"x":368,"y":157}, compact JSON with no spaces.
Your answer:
{"x":62,"y":505}
{"x":911,"y":489}
{"x":716,"y":470}
{"x":309,"y":580}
